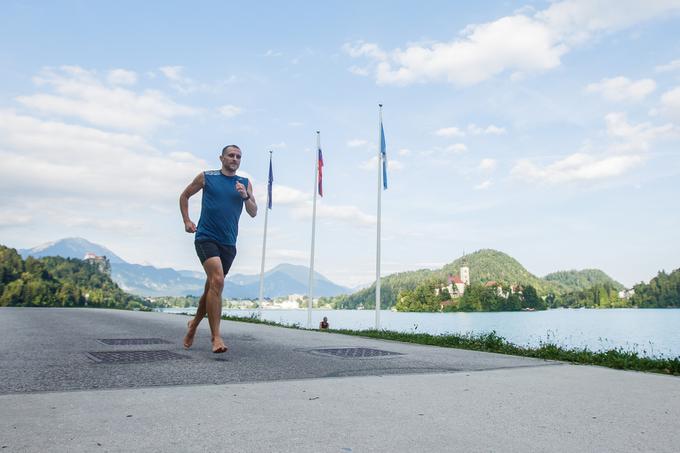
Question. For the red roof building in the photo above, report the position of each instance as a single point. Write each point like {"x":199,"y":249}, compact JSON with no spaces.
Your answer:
{"x":455,"y":279}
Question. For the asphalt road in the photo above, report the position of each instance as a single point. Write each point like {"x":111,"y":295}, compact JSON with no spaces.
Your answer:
{"x":278,"y":390}
{"x":53,"y":349}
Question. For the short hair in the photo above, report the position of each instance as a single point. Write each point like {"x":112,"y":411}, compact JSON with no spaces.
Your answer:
{"x":224,"y":150}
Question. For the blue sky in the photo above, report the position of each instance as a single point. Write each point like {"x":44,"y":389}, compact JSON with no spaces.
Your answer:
{"x":546,"y":130}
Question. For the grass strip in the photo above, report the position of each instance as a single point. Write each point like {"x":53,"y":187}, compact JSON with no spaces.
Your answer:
{"x":617,"y":358}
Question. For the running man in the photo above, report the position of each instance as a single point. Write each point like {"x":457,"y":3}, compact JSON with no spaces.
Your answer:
{"x":224,"y":195}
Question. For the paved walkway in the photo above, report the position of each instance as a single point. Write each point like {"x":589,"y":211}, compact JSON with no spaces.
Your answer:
{"x":279,"y":390}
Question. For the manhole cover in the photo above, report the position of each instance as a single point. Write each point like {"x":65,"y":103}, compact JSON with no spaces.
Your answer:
{"x":355,"y":353}
{"x":131,"y":341}
{"x":134,"y":356}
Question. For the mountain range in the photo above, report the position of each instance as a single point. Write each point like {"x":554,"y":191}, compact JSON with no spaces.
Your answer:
{"x":146,"y":280}
{"x":285,"y":279}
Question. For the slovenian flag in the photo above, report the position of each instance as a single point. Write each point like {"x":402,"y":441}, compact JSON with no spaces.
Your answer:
{"x":320,"y":170}
{"x":383,"y":154}
{"x":269,"y":185}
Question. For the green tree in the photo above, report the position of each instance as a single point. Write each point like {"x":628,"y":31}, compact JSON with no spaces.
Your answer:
{"x":470,"y":301}
{"x":531,"y":299}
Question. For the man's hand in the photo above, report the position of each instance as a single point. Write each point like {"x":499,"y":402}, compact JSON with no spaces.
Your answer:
{"x":241,"y":189}
{"x":189,"y":226}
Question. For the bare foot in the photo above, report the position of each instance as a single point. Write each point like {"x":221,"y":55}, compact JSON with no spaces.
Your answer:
{"x":218,"y":346}
{"x":189,"y":337}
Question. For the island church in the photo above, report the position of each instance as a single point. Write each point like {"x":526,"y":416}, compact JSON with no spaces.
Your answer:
{"x":457,"y":283}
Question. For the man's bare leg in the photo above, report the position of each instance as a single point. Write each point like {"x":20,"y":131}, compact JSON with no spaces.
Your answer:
{"x":192,"y":325}
{"x":213,"y":301}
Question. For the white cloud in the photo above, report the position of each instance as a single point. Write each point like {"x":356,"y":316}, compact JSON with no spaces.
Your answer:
{"x":449,"y":132}
{"x":287,"y":195}
{"x":576,"y":167}
{"x":79,"y":93}
{"x":301,"y":205}
{"x":372,"y":164}
{"x":487,"y":164}
{"x":622,"y":89}
{"x":404,"y":152}
{"x":576,"y":21}
{"x":122,"y":77}
{"x":349,"y":214}
{"x":112,"y":225}
{"x":57,"y":159}
{"x":456,"y":148}
{"x":280,"y":145}
{"x":357,"y":70}
{"x":356,"y":143}
{"x":471,"y":129}
{"x":483,"y":185}
{"x":489,"y":130}
{"x":187,"y":85}
{"x":516,"y":44}
{"x":625,"y":151}
{"x":12,"y":217}
{"x":672,"y":66}
{"x":180,"y":82}
{"x":230,"y":111}
{"x":273,"y":53}
{"x":172,"y":72}
{"x":638,"y":137}
{"x":288,"y":255}
{"x":670,"y":103}
{"x":360,"y":49}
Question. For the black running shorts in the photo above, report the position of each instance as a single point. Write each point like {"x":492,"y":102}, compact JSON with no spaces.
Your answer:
{"x":207,"y":249}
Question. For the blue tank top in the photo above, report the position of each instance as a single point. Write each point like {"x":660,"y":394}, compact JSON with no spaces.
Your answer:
{"x":221,"y":208}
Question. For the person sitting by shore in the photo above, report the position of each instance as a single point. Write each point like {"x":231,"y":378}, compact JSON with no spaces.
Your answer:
{"x":323,"y":325}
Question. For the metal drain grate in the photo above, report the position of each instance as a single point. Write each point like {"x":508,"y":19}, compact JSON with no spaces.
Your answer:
{"x":355,"y":353}
{"x":134,"y":356}
{"x":131,"y":341}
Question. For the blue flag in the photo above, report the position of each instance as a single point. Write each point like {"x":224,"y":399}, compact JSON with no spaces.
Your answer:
{"x":269,"y":185}
{"x":383,"y":153}
{"x":320,"y":170}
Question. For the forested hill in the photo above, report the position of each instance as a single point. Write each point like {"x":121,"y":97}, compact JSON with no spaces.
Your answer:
{"x":485,"y":265}
{"x":580,"y":280}
{"x":58,"y":282}
{"x":491,"y":265}
{"x":663,"y":291}
{"x":390,"y":287}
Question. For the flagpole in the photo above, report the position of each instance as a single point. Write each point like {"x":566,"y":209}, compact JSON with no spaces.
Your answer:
{"x":311,"y":258}
{"x":264,"y":238}
{"x":377,"y":251}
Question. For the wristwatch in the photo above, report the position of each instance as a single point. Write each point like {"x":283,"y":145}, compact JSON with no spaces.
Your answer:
{"x":246,"y":198}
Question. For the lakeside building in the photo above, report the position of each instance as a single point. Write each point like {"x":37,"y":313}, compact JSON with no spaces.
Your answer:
{"x":499,"y":289}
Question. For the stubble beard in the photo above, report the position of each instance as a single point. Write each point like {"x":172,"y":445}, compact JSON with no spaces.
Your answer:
{"x":230,"y":168}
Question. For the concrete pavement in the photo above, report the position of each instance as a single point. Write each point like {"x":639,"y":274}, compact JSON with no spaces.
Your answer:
{"x":274,"y":392}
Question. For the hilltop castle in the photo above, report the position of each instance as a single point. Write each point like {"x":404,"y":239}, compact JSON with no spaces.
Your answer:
{"x":101,"y":262}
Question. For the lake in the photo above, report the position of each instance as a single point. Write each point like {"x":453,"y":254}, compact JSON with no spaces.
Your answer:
{"x":650,"y":332}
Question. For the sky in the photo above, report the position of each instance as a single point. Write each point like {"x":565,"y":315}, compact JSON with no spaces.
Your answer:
{"x":546,"y":130}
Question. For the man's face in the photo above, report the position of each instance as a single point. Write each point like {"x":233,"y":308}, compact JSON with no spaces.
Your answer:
{"x":231,"y":159}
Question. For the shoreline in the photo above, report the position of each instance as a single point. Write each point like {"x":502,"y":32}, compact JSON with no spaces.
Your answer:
{"x":617,"y":358}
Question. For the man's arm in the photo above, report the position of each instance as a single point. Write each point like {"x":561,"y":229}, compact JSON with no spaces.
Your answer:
{"x":191,"y":190}
{"x":251,"y":206}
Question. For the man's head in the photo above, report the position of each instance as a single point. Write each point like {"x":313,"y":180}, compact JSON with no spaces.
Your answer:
{"x":231,"y":159}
